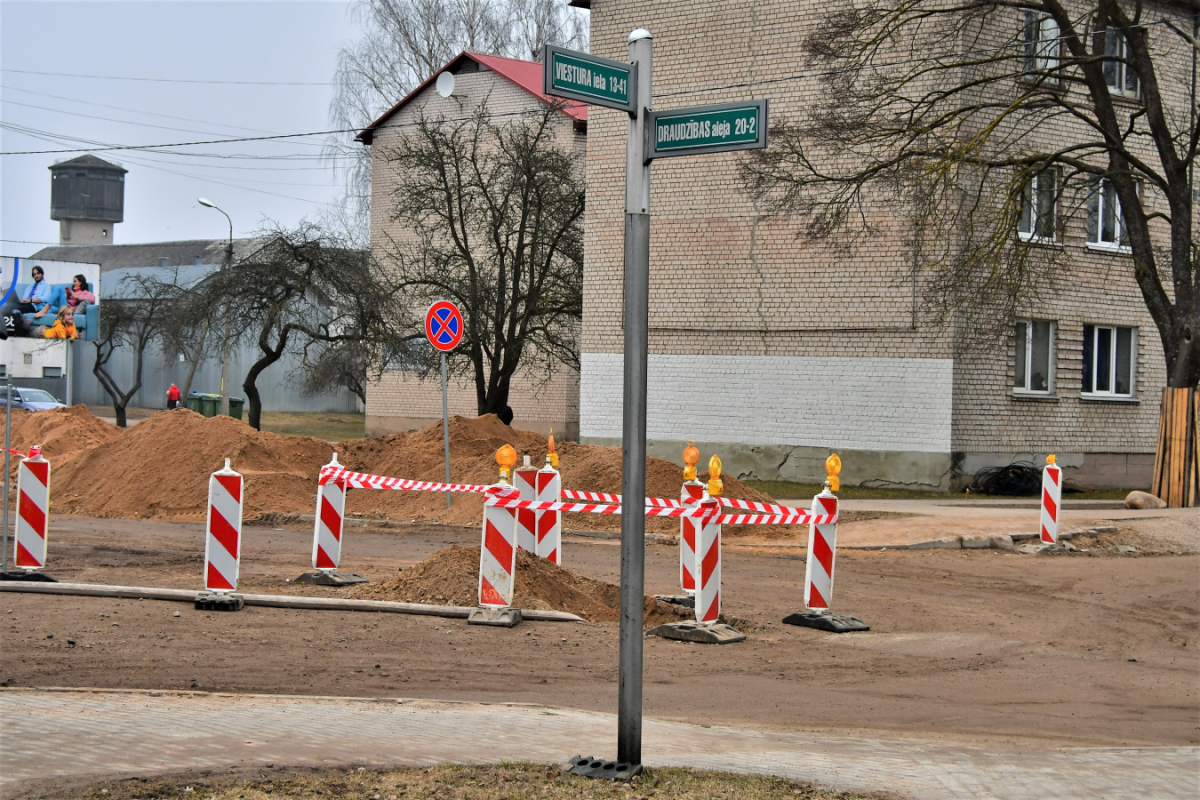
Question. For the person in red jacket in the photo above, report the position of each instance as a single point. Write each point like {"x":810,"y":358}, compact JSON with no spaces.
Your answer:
{"x":173,"y":396}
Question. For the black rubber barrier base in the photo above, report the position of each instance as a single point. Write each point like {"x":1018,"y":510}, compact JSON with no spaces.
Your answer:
{"x":22,"y":575}
{"x":719,"y":633}
{"x":208,"y":601}
{"x":331,"y":578}
{"x":598,"y":768}
{"x":685,"y":600}
{"x":834,"y":623}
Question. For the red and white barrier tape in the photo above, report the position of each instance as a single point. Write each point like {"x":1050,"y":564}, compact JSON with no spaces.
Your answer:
{"x":603,"y":497}
{"x":796,"y":517}
{"x":362,"y":480}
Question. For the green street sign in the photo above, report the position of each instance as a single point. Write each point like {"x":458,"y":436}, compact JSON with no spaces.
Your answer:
{"x":594,"y":80}
{"x":708,"y":129}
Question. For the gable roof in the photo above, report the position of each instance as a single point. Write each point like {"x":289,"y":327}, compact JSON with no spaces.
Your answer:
{"x":88,"y":160}
{"x":526,"y":74}
{"x":126,"y":256}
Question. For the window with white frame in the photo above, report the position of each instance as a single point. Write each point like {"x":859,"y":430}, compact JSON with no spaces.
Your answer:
{"x":1041,"y":43}
{"x":1034,"y":356}
{"x":1038,"y":219}
{"x":1120,"y":76}
{"x":1105,"y":223}
{"x":1109,"y":360}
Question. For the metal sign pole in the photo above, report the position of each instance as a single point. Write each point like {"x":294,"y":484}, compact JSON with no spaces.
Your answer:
{"x":7,"y":456}
{"x":446,"y":426}
{"x":633,"y":453}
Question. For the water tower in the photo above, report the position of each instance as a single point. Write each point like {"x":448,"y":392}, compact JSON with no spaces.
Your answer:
{"x":87,"y":197}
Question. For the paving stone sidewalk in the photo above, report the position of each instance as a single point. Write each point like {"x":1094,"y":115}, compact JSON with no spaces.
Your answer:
{"x":61,"y":733}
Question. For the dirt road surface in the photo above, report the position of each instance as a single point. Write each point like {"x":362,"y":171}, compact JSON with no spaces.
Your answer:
{"x":965,"y":645}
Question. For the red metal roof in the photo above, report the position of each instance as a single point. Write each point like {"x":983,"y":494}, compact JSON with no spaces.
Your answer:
{"x":526,"y":74}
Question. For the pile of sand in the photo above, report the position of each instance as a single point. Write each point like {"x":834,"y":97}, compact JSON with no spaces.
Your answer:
{"x":473,"y":444}
{"x":451,"y":577}
{"x":159,"y":469}
{"x":60,"y":431}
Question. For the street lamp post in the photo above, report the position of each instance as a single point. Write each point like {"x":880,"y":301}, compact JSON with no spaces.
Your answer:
{"x":225,"y":379}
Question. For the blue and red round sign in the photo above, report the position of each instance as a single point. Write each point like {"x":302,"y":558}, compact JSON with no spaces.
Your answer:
{"x":444,"y":325}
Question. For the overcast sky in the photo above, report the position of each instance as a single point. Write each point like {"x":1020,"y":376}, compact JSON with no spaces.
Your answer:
{"x":176,"y":43}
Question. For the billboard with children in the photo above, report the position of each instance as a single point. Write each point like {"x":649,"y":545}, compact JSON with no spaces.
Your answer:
{"x":49,"y":299}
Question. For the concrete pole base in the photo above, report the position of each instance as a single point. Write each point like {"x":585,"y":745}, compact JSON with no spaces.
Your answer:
{"x":495,"y":617}
{"x":718,"y":633}
{"x":834,"y":623}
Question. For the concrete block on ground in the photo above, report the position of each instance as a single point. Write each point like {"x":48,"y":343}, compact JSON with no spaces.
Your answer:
{"x":953,"y":543}
{"x":321,"y":578}
{"x":695,"y":632}
{"x":495,"y":617}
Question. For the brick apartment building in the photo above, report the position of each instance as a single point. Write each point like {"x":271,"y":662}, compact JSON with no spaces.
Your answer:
{"x":400,"y":400}
{"x":773,"y":353}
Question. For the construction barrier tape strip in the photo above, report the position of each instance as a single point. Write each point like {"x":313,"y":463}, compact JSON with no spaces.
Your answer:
{"x":15,"y":452}
{"x":797,"y":517}
{"x":361,"y":480}
{"x":602,"y":497}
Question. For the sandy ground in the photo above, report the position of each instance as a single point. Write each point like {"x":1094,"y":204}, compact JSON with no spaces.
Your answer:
{"x":1094,"y":648}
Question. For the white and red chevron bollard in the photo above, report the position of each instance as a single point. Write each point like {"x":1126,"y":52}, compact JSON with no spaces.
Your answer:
{"x":691,"y":492}
{"x":33,"y":511}
{"x":525,"y":481}
{"x":822,"y":550}
{"x":549,"y":523}
{"x":223,"y":537}
{"x":708,"y":563}
{"x":328,"y":525}
{"x":498,"y":552}
{"x":1051,"y":500}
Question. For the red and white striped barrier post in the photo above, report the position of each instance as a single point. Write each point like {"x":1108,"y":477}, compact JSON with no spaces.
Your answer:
{"x":1051,"y":500}
{"x":819,"y":566}
{"x":691,"y":493}
{"x":549,"y":523}
{"x":223,"y":540}
{"x":708,"y":550}
{"x":327,"y":527}
{"x":498,"y":553}
{"x":525,"y":481}
{"x":33,"y":511}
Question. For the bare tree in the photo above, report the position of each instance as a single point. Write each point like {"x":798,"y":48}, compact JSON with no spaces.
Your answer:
{"x":403,"y":42}
{"x":495,"y":217}
{"x":133,"y":319}
{"x":942,"y":110}
{"x":304,"y":285}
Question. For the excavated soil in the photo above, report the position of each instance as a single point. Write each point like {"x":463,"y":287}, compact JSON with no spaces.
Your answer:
{"x":159,"y":469}
{"x":450,"y":576}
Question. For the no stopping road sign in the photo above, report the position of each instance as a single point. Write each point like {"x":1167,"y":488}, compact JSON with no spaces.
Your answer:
{"x":444,"y":325}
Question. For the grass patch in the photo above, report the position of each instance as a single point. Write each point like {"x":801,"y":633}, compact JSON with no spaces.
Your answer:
{"x":320,"y":425}
{"x":786,"y":490}
{"x":493,"y":782}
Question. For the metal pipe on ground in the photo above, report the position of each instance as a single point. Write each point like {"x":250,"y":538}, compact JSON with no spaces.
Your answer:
{"x":269,"y":600}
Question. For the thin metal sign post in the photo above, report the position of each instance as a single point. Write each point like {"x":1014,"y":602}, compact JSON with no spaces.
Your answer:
{"x":444,"y":329}
{"x":7,"y":456}
{"x":688,"y":131}
{"x":446,"y":426}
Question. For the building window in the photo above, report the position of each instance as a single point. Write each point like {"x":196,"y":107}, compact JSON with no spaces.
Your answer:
{"x":1120,"y":76}
{"x":1041,"y":44}
{"x":51,"y":372}
{"x":1105,"y":223}
{"x":1109,"y":357}
{"x":1039,"y":208}
{"x":1034,"y":356}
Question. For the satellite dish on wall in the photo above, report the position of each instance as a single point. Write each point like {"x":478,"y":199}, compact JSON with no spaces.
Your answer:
{"x":445,"y":84}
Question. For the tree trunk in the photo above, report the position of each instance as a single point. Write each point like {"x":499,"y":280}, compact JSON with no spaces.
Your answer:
{"x":119,"y":410}
{"x":187,"y":384}
{"x":495,"y":400}
{"x":253,"y":399}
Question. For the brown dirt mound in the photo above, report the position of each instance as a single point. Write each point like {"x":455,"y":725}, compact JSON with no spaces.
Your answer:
{"x":60,"y":431}
{"x":473,"y":444}
{"x":160,"y":467}
{"x":450,"y":577}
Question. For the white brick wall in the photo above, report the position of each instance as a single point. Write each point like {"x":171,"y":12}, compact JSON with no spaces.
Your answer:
{"x":893,"y":404}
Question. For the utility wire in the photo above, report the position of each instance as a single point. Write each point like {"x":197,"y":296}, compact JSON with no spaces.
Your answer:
{"x":166,"y":80}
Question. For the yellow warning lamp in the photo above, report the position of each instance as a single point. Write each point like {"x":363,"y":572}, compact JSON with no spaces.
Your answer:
{"x":691,"y":457}
{"x":551,"y":456}
{"x":833,"y":465}
{"x":1050,"y":459}
{"x":715,"y":487}
{"x":506,"y":457}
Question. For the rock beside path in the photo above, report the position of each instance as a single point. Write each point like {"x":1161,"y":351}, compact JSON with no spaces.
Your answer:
{"x":1143,"y":500}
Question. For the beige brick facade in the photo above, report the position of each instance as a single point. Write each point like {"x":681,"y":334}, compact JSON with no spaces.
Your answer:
{"x":728,"y":281}
{"x":541,"y":398}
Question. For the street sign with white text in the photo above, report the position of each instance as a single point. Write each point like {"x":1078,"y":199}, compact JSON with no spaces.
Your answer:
{"x":594,"y":80}
{"x":708,"y":129}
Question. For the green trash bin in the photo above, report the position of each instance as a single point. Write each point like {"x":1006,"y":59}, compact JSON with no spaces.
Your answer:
{"x":193,"y":402}
{"x":235,"y":406}
{"x":210,"y":404}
